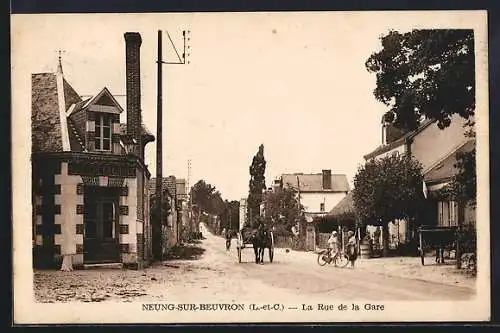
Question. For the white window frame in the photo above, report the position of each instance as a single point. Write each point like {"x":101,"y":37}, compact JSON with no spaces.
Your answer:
{"x":452,"y":213}
{"x":99,"y":131}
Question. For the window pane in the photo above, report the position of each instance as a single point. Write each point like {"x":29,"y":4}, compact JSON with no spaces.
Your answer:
{"x":106,"y":120}
{"x":105,"y":144}
{"x":98,"y":143}
{"x":107,"y":211}
{"x":106,"y":132}
{"x":107,"y":229}
{"x":97,"y":121}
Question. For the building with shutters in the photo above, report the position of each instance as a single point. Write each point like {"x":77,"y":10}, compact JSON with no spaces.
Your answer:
{"x":89,"y":179}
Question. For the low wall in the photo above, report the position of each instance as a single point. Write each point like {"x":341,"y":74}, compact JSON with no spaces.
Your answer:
{"x":281,"y":241}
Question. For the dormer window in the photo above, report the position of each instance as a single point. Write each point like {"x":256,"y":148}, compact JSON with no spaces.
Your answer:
{"x":103,"y":132}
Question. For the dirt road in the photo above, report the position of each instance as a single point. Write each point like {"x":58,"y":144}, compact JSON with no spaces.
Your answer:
{"x":217,"y":276}
{"x":298,"y":273}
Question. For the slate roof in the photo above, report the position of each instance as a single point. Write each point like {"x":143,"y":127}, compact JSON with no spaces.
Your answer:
{"x":445,"y":169}
{"x":76,"y":140}
{"x":145,"y":131}
{"x":45,"y":124}
{"x":314,"y":182}
{"x":48,"y":132}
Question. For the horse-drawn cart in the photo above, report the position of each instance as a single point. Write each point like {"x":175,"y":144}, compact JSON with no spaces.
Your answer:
{"x":251,"y":237}
{"x":438,"y":239}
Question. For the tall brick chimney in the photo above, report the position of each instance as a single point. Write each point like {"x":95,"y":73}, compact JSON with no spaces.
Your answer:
{"x":133,"y":43}
{"x":327,"y":179}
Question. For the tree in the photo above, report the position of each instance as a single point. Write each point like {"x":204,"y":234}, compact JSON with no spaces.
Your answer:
{"x":202,"y":194}
{"x":231,"y":215}
{"x":387,"y":189}
{"x":206,"y":199}
{"x":430,"y":74}
{"x":425,"y":73}
{"x":166,"y":207}
{"x":257,"y":185}
{"x":282,"y":209}
{"x":462,"y":187}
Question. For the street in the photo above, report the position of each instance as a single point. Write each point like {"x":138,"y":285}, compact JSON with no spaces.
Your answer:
{"x":217,"y":275}
{"x":298,"y":273}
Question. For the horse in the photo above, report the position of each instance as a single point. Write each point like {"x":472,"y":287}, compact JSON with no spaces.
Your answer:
{"x":260,"y":241}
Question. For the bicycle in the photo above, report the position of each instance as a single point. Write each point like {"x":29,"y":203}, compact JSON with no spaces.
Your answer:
{"x":340,"y":259}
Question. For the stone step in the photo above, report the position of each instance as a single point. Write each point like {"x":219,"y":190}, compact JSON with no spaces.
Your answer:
{"x":117,"y":265}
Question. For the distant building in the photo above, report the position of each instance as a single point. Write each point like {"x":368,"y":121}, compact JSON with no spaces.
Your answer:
{"x":243,"y":212}
{"x":319,"y":192}
{"x":177,"y":219}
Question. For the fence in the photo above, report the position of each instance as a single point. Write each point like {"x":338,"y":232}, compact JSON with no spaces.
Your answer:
{"x":322,"y":239}
{"x":281,"y":241}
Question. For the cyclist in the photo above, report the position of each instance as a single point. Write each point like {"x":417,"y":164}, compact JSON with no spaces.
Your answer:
{"x":333,"y":244}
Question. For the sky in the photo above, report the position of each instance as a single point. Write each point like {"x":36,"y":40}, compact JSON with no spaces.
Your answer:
{"x":295,"y":82}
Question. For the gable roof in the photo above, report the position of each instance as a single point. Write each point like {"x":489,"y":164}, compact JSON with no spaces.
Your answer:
{"x":399,"y":142}
{"x":346,"y":205}
{"x":56,"y":113}
{"x":70,"y":95}
{"x":314,"y":182}
{"x":445,"y":168}
{"x":104,"y":94}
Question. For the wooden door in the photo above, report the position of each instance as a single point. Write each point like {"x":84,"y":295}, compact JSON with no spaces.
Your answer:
{"x":101,"y":241}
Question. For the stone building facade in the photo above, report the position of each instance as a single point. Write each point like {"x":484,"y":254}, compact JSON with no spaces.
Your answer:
{"x":176,"y":220}
{"x":90,"y":200}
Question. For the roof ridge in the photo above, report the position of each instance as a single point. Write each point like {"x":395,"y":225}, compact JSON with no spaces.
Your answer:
{"x":39,"y":73}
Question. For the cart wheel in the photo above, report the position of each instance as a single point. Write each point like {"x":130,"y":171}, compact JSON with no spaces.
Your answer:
{"x":271,"y":254}
{"x":239,"y":254}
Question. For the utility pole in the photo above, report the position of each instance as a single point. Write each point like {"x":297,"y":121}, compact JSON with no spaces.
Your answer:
{"x":298,"y":191}
{"x":157,"y":226}
{"x":190,"y":193}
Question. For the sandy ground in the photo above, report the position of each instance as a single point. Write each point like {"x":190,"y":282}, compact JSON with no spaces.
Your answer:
{"x":217,"y":276}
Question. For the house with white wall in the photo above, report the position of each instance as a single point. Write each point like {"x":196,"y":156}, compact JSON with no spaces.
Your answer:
{"x":436,"y":150}
{"x":319,"y":192}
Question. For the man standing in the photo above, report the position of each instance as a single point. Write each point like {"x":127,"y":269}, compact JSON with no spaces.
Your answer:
{"x":352,"y":253}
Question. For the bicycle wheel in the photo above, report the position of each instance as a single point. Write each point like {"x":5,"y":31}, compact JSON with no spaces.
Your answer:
{"x":341,"y":260}
{"x":323,"y":258}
